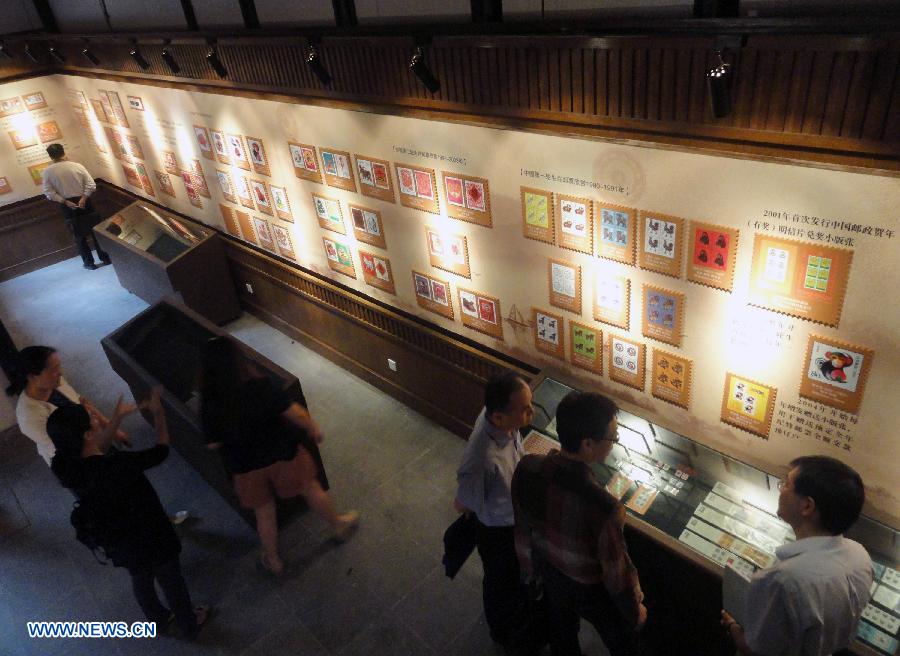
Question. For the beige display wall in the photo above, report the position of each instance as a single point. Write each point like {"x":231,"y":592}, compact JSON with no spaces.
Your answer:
{"x":720,"y":332}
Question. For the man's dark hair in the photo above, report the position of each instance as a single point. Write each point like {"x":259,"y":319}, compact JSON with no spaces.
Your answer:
{"x":56,"y":151}
{"x":835,"y":487}
{"x":583,"y":414}
{"x":499,"y":391}
{"x":30,"y":361}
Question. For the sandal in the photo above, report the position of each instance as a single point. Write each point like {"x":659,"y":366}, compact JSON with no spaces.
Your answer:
{"x":347,"y":523}
{"x":267,"y":565}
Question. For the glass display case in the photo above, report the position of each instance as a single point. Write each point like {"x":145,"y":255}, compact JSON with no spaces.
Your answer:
{"x":716,"y":507}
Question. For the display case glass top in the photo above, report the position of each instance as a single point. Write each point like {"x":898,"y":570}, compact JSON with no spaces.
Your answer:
{"x":716,"y":506}
{"x":154,"y":231}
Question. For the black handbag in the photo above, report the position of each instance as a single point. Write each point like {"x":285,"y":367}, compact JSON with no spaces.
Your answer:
{"x":460,"y":539}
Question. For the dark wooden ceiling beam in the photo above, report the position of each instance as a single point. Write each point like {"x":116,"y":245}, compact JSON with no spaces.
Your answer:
{"x":46,"y":16}
{"x":344,"y":13}
{"x":487,"y":11}
{"x":190,"y":18}
{"x":248,"y":12}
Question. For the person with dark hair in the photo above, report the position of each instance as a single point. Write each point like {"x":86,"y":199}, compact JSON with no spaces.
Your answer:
{"x":569,"y":532}
{"x":484,"y":477}
{"x":256,"y":425}
{"x":38,"y":381}
{"x":810,"y":601}
{"x":70,"y":185}
{"x":137,"y":533}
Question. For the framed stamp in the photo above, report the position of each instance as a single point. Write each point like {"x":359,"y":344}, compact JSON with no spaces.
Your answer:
{"x":304,"y":161}
{"x":564,"y":279}
{"x":118,"y":110}
{"x":36,"y":171}
{"x":34,"y":100}
{"x":246,"y":224}
{"x":671,"y":378}
{"x":283,"y":241}
{"x":280,"y":203}
{"x":713,"y":251}
{"x":5,"y":187}
{"x":264,"y":234}
{"x":377,"y":271}
{"x":480,"y":312}
{"x":117,"y":143}
{"x":337,"y":169}
{"x":340,"y":257}
{"x":375,"y":178}
{"x":145,"y":179}
{"x":165,"y":183}
{"x":835,"y":372}
{"x":226,"y":186}
{"x":99,"y":111}
{"x":199,"y":180}
{"x":22,"y":138}
{"x":131,"y":176}
{"x":220,"y":147}
{"x":260,"y":191}
{"x":448,"y":252}
{"x":328,"y":212}
{"x":135,"y":103}
{"x":418,"y":188}
{"x":548,"y":333}
{"x":661,"y":240}
{"x":537,"y":214}
{"x":433,"y":294}
{"x":748,"y":405}
{"x":616,"y":231}
{"x":134,"y":147}
{"x":612,"y":300}
{"x":799,"y":278}
{"x":586,"y":347}
{"x":258,"y":159}
{"x":468,"y":198}
{"x":232,"y":227}
{"x":663,"y":314}
{"x":575,"y":227}
{"x":627,"y":359}
{"x":10,"y":106}
{"x":189,"y":179}
{"x":107,"y":108}
{"x":203,"y":141}
{"x":49,"y":131}
{"x":242,"y":188}
{"x":170,"y":162}
{"x":367,"y":225}
{"x":236,"y":151}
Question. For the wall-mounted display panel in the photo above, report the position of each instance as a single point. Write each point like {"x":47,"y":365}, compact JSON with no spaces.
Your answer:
{"x":375,"y":178}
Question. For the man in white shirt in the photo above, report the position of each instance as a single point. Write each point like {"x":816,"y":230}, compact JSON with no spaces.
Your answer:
{"x":69,"y":184}
{"x":810,"y":601}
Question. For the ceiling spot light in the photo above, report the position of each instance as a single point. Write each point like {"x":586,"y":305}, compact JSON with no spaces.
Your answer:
{"x":316,"y":66}
{"x":718,"y":82}
{"x":57,"y":54}
{"x":418,"y":66}
{"x":4,"y":51}
{"x":212,"y":57}
{"x":169,"y":58}
{"x":90,"y":56}
{"x":31,"y":54}
{"x":139,"y":58}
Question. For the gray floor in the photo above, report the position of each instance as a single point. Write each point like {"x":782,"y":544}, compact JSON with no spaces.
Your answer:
{"x":383,"y":592}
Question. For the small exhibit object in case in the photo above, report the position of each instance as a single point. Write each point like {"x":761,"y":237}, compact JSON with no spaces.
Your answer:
{"x":661,"y":239}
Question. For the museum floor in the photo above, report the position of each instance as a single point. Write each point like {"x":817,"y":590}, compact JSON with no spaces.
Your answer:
{"x":383,"y":592}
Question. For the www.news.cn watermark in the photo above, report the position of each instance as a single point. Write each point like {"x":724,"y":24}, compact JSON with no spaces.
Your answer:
{"x":91,"y":629}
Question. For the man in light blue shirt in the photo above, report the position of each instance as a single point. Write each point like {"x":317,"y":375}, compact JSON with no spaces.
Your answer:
{"x":484,"y":478}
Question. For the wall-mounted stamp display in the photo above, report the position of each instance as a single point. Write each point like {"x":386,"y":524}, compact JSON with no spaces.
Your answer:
{"x":131,"y":176}
{"x":189,"y":180}
{"x":340,"y":257}
{"x":575,"y":227}
{"x":713,"y":250}
{"x":337,"y":169}
{"x":367,"y":225}
{"x":448,"y":252}
{"x":328,"y":212}
{"x":748,"y":405}
{"x":36,"y":171}
{"x":258,"y":159}
{"x":34,"y":100}
{"x":468,"y":198}
{"x":199,"y":180}
{"x":627,"y":359}
{"x":203,"y":140}
{"x":662,"y":316}
{"x":586,"y":347}
{"x":377,"y":271}
{"x":232,"y":227}
{"x":22,"y":138}
{"x":242,"y":188}
{"x":107,"y":108}
{"x":671,"y":378}
{"x":537,"y":214}
{"x":548,"y":333}
{"x":10,"y":106}
{"x":49,"y":131}
{"x":306,"y":165}
{"x":118,"y":109}
{"x":165,"y":183}
{"x":835,"y":372}
{"x":133,"y":147}
{"x":246,"y":224}
{"x":564,"y":280}
{"x":220,"y":147}
{"x":612,"y":300}
{"x":283,"y":241}
{"x":145,"y":179}
{"x":228,"y":193}
{"x":799,"y":278}
{"x":433,"y":294}
{"x":99,"y":111}
{"x":264,"y":234}
{"x":616,"y":232}
{"x":480,"y":312}
{"x":236,"y":151}
{"x":418,"y":188}
{"x":261,"y":196}
{"x":5,"y":187}
{"x":170,"y":162}
{"x":135,"y":103}
{"x":375,"y":178}
{"x":280,"y":203}
{"x":661,"y":238}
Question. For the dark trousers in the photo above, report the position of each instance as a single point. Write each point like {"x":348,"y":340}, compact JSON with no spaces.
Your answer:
{"x":80,"y":221}
{"x":505,"y":597}
{"x":174,"y":588}
{"x":567,"y":601}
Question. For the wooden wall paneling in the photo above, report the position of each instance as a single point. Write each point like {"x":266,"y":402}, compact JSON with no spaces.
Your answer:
{"x":493,"y":65}
{"x":614,"y":82}
{"x":814,"y":113}
{"x":654,"y":83}
{"x":532,"y":73}
{"x":32,"y":235}
{"x":543,"y":73}
{"x":838,"y":90}
{"x":698,"y":101}
{"x":762,"y":94}
{"x":742,"y":88}
{"x":778,"y":103}
{"x":590,"y":95}
{"x":667,"y":86}
{"x":683,"y":85}
{"x":858,"y":94}
{"x":892,"y":124}
{"x":800,"y":83}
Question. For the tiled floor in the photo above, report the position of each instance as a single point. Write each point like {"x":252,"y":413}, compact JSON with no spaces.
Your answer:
{"x":383,"y":592}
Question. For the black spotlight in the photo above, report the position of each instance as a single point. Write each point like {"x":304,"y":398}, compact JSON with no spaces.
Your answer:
{"x":169,"y":58}
{"x":316,"y":66}
{"x":31,"y":54}
{"x":215,"y":63}
{"x":4,"y":51}
{"x":718,"y":80}
{"x":139,"y":58}
{"x":418,"y":66}
{"x":90,"y":56}
{"x":57,"y":54}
